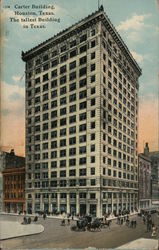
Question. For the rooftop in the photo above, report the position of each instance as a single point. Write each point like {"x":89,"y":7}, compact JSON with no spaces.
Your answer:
{"x":101,"y":15}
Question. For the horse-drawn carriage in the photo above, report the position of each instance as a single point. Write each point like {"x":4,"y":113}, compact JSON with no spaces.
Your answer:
{"x":87,"y":223}
{"x":80,"y":225}
{"x":94,"y":225}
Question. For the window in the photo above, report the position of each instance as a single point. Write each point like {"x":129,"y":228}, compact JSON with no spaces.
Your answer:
{"x":72,"y":172}
{"x":82,"y":150}
{"x":93,"y":67}
{"x":72,"y":98}
{"x":92,"y":171}
{"x":72,"y":130}
{"x":63,"y":58}
{"x":93,"y":78}
{"x":92,"y":196}
{"x":93,"y":44}
{"x":92,"y":102}
{"x":63,"y":173}
{"x":93,"y":125}
{"x":92,"y":137}
{"x":62,"y":80}
{"x":63,"y":143}
{"x":53,"y":134}
{"x":92,"y":159}
{"x":63,"y":122}
{"x":83,"y":49}
{"x":72,"y":141}
{"x":72,"y":108}
{"x":93,"y":55}
{"x":62,"y":111}
{"x":54,"y":94}
{"x":63,"y":101}
{"x":62,"y":90}
{"x":82,"y":138}
{"x":82,"y":127}
{"x":83,"y":83}
{"x":53,"y":174}
{"x":82,"y":182}
{"x":62,"y":132}
{"x":72,"y":162}
{"x":63,"y":48}
{"x":93,"y":90}
{"x":93,"y":182}
{"x":83,"y":38}
{"x":62,"y":153}
{"x":82,"y":172}
{"x":72,"y":151}
{"x":72,"y":75}
{"x":53,"y":164}
{"x":72,"y":86}
{"x":82,"y":116}
{"x":72,"y":65}
{"x":72,"y":43}
{"x":53,"y":104}
{"x":82,"y":161}
{"x":62,"y":163}
{"x":93,"y":113}
{"x":73,"y":53}
{"x":83,"y":94}
{"x":82,"y":71}
{"x":93,"y":148}
{"x":63,"y":69}
{"x":72,"y":183}
{"x":72,"y":119}
{"x":83,"y":60}
{"x":54,"y":73}
{"x":82,"y":105}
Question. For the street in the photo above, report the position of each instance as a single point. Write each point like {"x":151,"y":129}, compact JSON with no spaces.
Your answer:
{"x":57,"y":236}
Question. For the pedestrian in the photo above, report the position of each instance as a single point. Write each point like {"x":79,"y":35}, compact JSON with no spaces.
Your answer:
{"x":118,"y":220}
{"x":68,"y":221}
{"x":132,"y":224}
{"x":44,"y":216}
{"x":121,"y":221}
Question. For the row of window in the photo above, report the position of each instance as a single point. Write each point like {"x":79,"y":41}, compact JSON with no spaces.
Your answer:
{"x":79,"y":182}
{"x":83,"y":195}
{"x":63,"y":58}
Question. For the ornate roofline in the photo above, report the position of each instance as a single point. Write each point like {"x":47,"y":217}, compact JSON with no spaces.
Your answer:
{"x":97,"y":15}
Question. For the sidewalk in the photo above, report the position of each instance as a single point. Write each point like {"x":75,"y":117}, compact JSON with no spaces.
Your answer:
{"x":142,"y":244}
{"x":13,"y":229}
{"x":60,"y":216}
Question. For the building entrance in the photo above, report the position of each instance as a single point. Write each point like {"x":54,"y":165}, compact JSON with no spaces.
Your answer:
{"x":82,"y":209}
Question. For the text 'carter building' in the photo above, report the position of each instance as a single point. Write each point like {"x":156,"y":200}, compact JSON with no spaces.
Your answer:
{"x":81,"y":121}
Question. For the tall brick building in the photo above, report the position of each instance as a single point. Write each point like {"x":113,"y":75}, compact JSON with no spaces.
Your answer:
{"x":82,"y":121}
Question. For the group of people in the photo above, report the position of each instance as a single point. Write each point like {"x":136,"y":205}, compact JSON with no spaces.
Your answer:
{"x":122,"y":219}
{"x":147,"y":220}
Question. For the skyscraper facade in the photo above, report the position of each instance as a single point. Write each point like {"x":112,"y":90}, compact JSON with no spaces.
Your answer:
{"x":82,"y":121}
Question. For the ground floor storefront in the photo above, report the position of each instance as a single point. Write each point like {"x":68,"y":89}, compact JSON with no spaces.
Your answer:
{"x":14,"y":207}
{"x":82,"y":203}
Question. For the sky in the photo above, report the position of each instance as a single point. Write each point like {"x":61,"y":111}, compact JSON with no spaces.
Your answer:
{"x":136,"y":21}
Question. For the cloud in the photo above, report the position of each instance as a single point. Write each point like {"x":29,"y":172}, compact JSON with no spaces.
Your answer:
{"x":138,"y":57}
{"x":16,"y":78}
{"x":136,"y":22}
{"x":12,"y":98}
{"x":12,"y":118}
{"x":134,"y":36}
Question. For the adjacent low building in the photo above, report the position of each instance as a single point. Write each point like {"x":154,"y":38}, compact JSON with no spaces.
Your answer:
{"x":14,"y":183}
{"x":154,"y":157}
{"x":144,"y":179}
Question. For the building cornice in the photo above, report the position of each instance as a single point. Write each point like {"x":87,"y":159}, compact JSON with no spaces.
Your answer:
{"x":74,"y":29}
